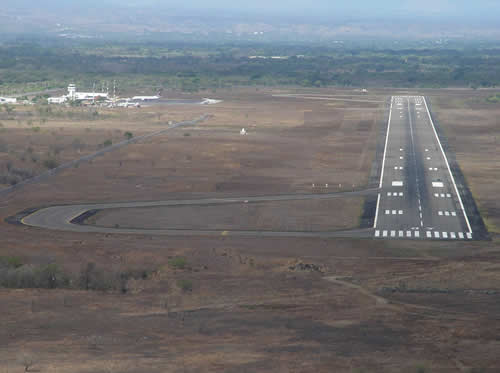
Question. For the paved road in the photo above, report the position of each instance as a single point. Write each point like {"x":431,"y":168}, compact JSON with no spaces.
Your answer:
{"x":420,"y":199}
{"x":61,"y":217}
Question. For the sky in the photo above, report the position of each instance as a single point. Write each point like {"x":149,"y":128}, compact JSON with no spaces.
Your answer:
{"x":478,"y":9}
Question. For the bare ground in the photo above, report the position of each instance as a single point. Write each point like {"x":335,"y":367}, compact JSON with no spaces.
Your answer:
{"x":277,"y":305}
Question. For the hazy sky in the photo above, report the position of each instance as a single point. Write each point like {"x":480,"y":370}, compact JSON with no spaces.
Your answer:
{"x":488,"y":9}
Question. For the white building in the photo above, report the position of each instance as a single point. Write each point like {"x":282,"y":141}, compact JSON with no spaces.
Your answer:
{"x":57,"y":100}
{"x":8,"y":100}
{"x":74,"y":95}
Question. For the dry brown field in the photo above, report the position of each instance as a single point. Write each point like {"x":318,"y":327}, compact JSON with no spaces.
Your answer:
{"x":252,"y":304}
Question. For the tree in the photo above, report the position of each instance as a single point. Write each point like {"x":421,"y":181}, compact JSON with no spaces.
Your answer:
{"x":27,"y":361}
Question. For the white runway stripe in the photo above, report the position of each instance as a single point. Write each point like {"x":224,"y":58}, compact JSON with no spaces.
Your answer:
{"x":417,"y":234}
{"x":429,"y":234}
{"x":469,"y":235}
{"x":461,"y":235}
{"x":453,"y":235}
{"x":377,"y":233}
{"x":445,"y":234}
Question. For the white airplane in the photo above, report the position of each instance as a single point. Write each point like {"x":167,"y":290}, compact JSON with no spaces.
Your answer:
{"x":208,"y":101}
{"x":145,"y":98}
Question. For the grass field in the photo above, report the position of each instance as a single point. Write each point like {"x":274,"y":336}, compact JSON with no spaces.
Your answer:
{"x":234,"y":304}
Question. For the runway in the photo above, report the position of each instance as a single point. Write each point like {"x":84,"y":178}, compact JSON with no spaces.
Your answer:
{"x":419,"y":198}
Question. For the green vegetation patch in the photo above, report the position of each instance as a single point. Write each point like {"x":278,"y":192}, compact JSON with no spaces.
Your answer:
{"x":178,"y":263}
{"x":185,"y":285}
{"x":495,"y":99}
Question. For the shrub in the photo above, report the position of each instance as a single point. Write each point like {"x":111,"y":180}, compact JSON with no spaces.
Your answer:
{"x":28,"y":276}
{"x":10,"y":261}
{"x":128,"y":135}
{"x":178,"y":262}
{"x":50,"y":163}
{"x":108,"y":142}
{"x":185,"y":285}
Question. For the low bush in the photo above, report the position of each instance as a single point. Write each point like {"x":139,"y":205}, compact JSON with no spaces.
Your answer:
{"x":178,"y":262}
{"x":50,"y":163}
{"x":185,"y":285}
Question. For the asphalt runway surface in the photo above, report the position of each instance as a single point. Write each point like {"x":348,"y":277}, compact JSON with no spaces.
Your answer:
{"x":419,"y":198}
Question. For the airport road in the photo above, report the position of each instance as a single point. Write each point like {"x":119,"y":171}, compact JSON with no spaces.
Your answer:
{"x":419,"y":198}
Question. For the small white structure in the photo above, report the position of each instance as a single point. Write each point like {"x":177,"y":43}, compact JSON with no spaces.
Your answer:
{"x":8,"y":100}
{"x":243,"y":132}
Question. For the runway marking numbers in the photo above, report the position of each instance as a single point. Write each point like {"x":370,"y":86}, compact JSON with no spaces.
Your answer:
{"x":397,"y":183}
{"x":437,"y":184}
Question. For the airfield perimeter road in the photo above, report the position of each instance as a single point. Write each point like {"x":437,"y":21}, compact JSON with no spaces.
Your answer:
{"x":419,"y":197}
{"x":62,"y":217}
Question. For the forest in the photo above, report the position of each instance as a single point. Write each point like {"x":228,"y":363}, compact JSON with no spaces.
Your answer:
{"x":28,"y":65}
